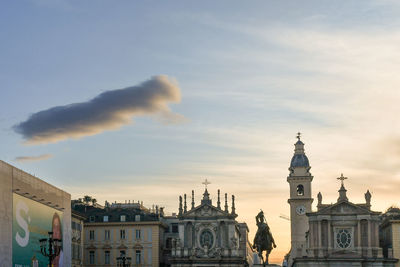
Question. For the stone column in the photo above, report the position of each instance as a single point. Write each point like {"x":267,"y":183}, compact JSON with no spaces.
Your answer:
{"x":320,"y":252}
{"x":369,"y":239}
{"x":329,"y":237}
{"x":359,"y":249}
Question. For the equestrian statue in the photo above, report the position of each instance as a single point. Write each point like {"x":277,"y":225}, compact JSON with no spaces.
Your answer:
{"x":263,"y":241}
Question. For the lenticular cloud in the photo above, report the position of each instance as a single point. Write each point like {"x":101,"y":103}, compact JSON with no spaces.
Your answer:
{"x":107,"y":111}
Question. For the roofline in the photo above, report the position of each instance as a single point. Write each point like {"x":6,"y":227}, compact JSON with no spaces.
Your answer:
{"x":78,"y":214}
{"x":86,"y":224}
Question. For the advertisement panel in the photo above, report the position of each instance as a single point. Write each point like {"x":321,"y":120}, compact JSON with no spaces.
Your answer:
{"x":31,"y":222}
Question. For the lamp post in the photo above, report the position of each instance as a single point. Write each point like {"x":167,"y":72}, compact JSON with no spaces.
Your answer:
{"x":50,"y":247}
{"x":123,"y":261}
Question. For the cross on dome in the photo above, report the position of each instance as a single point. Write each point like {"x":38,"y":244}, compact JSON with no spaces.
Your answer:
{"x":342,"y":178}
{"x":206,"y":182}
{"x":298,"y":136}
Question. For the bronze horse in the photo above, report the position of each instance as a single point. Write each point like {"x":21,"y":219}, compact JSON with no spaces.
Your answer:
{"x":263,"y":241}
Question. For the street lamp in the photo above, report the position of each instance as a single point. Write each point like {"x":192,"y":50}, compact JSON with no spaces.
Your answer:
{"x":50,"y":247}
{"x":123,"y":261}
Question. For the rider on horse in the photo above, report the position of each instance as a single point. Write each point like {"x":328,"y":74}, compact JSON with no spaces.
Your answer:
{"x":263,"y":239}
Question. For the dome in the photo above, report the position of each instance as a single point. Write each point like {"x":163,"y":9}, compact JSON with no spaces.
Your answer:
{"x":299,"y":160}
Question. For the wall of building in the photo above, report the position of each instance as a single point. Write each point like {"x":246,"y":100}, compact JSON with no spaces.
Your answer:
{"x":13,"y":180}
{"x":149,"y":243}
{"x":396,"y":241}
{"x":6,"y":214}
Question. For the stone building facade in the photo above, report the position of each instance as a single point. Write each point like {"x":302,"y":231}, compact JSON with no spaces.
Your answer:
{"x":210,"y":235}
{"x":119,"y":229}
{"x":389,"y":233}
{"x":339,"y":234}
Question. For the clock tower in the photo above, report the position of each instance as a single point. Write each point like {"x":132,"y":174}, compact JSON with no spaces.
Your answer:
{"x":300,"y":200}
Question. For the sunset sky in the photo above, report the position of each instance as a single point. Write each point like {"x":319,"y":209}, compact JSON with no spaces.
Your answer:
{"x":143,"y":100}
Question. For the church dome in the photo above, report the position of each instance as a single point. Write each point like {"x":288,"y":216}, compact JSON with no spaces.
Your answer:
{"x":299,"y":160}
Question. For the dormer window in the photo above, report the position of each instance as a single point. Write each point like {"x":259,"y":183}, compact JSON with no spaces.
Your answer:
{"x":105,"y":218}
{"x":300,"y":190}
{"x":123,"y":218}
{"x":91,"y":219}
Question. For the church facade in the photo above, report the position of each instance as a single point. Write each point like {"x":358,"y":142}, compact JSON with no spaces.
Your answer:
{"x":210,"y":235}
{"x":338,"y":234}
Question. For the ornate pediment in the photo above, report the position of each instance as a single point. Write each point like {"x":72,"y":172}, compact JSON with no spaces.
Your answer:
{"x":206,"y":210}
{"x":343,"y":207}
{"x":122,"y":246}
{"x":106,"y":246}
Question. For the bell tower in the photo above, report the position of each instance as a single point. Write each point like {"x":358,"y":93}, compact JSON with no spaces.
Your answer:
{"x":300,"y":200}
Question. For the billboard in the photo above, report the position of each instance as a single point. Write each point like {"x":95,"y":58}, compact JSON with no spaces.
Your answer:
{"x":31,"y":222}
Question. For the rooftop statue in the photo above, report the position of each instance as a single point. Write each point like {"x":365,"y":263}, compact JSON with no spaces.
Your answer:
{"x":263,"y":241}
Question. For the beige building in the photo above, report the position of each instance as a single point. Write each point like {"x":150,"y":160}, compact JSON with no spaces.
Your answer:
{"x":389,"y":232}
{"x":117,"y":230}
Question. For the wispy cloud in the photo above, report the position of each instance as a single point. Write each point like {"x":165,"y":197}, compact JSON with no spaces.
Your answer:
{"x":33,"y":158}
{"x":107,"y":111}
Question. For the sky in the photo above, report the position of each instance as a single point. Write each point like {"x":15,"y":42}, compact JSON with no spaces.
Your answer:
{"x":143,"y":100}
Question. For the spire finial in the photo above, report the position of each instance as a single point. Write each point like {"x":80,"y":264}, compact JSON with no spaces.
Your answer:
{"x":233,"y":205}
{"x":192,"y":199}
{"x":206,"y":182}
{"x":342,"y":190}
{"x":298,"y":136}
{"x":180,"y":205}
{"x":226,"y":202}
{"x":342,"y":178}
{"x":219,"y":201}
{"x":184,"y":206}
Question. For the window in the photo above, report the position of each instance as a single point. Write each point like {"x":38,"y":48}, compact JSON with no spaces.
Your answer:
{"x":91,"y":219}
{"x":174,"y":227}
{"x":91,"y":257}
{"x":137,"y":218}
{"x":149,"y":259}
{"x":73,"y":251}
{"x":122,"y":234}
{"x":138,"y":257}
{"x":122,"y":253}
{"x":105,"y":218}
{"x":300,"y":190}
{"x":149,"y":234}
{"x":106,"y":234}
{"x":107,"y":257}
{"x":168,"y":243}
{"x":343,"y":238}
{"x":138,"y":234}
{"x":91,"y":234}
{"x":123,"y":218}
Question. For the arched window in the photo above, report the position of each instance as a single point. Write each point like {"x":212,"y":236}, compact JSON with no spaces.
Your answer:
{"x":300,"y":190}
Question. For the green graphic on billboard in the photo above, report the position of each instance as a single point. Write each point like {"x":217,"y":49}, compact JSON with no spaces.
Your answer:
{"x":31,"y":222}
